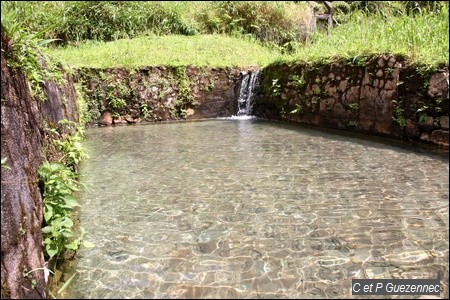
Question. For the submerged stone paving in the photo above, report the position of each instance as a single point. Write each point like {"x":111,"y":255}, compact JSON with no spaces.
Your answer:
{"x":254,"y":209}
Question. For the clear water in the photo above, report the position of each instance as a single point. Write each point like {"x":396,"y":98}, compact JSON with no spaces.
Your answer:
{"x":250,"y":208}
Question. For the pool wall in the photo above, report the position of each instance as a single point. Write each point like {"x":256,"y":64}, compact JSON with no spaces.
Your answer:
{"x":153,"y":94}
{"x":381,"y":95}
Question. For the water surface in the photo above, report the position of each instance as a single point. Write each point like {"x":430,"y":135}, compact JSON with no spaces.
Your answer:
{"x":251,"y":208}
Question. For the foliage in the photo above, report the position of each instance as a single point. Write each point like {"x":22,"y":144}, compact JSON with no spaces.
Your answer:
{"x":59,"y":181}
{"x":59,"y":184}
{"x":75,"y":21}
{"x":4,"y":165}
{"x":185,"y":99}
{"x":399,"y":113}
{"x":145,"y":111}
{"x":70,"y":144}
{"x":418,"y":29}
{"x":83,"y":105}
{"x":395,"y":8}
{"x":298,"y":81}
{"x":278,"y":23}
{"x":297,"y":110}
{"x":354,"y":107}
{"x":422,"y":37}
{"x":110,"y":20}
{"x":23,"y":51}
{"x":275,"y":89}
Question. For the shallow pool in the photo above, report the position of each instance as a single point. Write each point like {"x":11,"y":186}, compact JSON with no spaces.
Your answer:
{"x":252,"y":208}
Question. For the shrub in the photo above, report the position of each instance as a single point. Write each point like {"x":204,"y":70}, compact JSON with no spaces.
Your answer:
{"x":268,"y":22}
{"x":23,"y":51}
{"x":72,"y":22}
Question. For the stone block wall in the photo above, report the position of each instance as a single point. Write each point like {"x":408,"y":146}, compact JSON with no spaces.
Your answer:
{"x":379,"y":96}
{"x":120,"y":96}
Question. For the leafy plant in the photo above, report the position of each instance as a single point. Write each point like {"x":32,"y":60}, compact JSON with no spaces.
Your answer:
{"x":354,"y":107}
{"x":23,"y":51}
{"x":298,"y":110}
{"x":59,"y":183}
{"x":117,"y":95}
{"x":298,"y":81}
{"x":116,"y":103}
{"x":422,"y":113}
{"x":86,"y":114}
{"x":145,"y":111}
{"x":279,"y":24}
{"x":399,"y":113}
{"x":4,"y":165}
{"x":185,"y":99}
{"x":275,"y":88}
{"x":70,"y":144}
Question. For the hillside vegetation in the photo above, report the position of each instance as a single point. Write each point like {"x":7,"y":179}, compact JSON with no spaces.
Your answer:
{"x":233,"y":33}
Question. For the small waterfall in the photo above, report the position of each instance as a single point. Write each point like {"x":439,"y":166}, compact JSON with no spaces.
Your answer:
{"x":246,"y":95}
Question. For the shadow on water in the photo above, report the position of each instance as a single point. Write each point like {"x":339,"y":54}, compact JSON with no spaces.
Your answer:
{"x":359,"y":138}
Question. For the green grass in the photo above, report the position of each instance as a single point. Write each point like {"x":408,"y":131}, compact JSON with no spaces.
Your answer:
{"x":423,"y":38}
{"x":170,"y":50}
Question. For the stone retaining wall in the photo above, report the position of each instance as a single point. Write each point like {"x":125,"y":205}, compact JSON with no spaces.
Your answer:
{"x":120,"y":96}
{"x":380,"y":96}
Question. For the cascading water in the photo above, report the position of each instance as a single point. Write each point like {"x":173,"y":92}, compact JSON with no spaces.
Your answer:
{"x":249,"y":84}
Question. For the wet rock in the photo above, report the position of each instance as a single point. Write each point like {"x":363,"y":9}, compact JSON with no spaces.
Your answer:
{"x":190,"y":112}
{"x":444,"y":122}
{"x":438,"y":85}
{"x":412,"y":129}
{"x":439,"y":137}
{"x":343,"y":85}
{"x":119,"y":120}
{"x":427,"y":124}
{"x":130,"y":119}
{"x":118,"y":256}
{"x":391,"y":62}
{"x":106,"y":118}
{"x":425,"y":137}
{"x":21,"y":202}
{"x":390,"y":84}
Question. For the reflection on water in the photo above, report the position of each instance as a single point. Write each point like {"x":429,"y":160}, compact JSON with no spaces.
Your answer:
{"x":250,"y":208}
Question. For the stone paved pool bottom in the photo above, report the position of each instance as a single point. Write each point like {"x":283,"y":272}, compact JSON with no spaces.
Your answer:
{"x":255,"y":209}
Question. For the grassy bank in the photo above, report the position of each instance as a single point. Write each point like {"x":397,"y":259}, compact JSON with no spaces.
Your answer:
{"x":233,"y":33}
{"x":422,"y":39}
{"x":171,"y":50}
{"x":71,"y":22}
